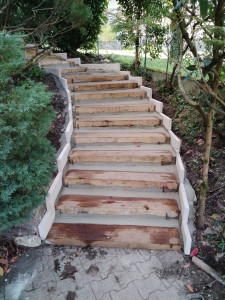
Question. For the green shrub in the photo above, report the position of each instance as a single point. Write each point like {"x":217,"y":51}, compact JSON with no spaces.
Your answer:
{"x":26,"y":156}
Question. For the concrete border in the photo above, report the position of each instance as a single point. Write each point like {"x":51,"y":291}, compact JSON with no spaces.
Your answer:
{"x":56,"y":186}
{"x":105,"y":67}
{"x":176,"y":144}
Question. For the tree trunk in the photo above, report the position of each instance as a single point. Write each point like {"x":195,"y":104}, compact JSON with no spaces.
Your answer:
{"x":205,"y":171}
{"x":137,"y":46}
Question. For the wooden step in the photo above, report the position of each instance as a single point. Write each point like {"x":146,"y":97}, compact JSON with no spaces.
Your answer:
{"x":65,"y":71}
{"x":117,"y":121}
{"x":116,"y":236}
{"x":94,"y":109}
{"x":118,"y":205}
{"x":103,"y":86}
{"x":121,"y":137}
{"x":109,"y":94}
{"x":53,"y":57}
{"x":160,"y":180}
{"x":164,"y":157}
{"x":94,"y":78}
{"x":52,"y":62}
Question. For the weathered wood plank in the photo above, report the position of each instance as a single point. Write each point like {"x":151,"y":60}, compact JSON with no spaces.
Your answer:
{"x":160,"y":156}
{"x":94,"y":109}
{"x":121,"y":137}
{"x":158,"y":180}
{"x":118,"y":205}
{"x":95,"y":95}
{"x":103,"y":86}
{"x":94,"y":78}
{"x":116,"y":236}
{"x":117,"y":121}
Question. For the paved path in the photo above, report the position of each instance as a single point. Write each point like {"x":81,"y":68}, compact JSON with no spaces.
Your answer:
{"x":68,"y":273}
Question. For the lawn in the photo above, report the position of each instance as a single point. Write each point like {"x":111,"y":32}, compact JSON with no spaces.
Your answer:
{"x":158,"y":64}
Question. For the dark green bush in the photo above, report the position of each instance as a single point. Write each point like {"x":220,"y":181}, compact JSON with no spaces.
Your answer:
{"x":26,"y":156}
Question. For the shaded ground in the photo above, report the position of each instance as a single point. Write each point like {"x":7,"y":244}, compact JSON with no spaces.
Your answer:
{"x":68,"y":273}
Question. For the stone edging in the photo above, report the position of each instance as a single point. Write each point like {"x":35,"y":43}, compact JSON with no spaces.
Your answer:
{"x":56,"y":186}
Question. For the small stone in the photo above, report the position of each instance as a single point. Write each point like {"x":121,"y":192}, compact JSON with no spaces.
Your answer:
{"x":28,"y":241}
{"x":106,"y":60}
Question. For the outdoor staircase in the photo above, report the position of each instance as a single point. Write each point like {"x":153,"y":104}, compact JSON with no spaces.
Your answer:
{"x":121,"y":184}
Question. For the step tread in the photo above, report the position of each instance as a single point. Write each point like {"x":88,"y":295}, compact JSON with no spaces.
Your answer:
{"x":160,"y":180}
{"x":96,"y":204}
{"x":136,"y":90}
{"x":122,"y":236}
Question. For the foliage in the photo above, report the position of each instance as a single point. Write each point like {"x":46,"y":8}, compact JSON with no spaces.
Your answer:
{"x":138,"y":24}
{"x":202,"y":20}
{"x":26,"y":157}
{"x":107,"y":34}
{"x":64,"y":24}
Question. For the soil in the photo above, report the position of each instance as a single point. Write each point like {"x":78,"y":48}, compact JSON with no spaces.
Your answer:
{"x":57,"y":102}
{"x":209,"y":241}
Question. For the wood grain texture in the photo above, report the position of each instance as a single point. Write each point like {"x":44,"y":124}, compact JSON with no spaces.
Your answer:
{"x":158,"y":180}
{"x":95,"y":95}
{"x":121,"y":137}
{"x":160,"y":156}
{"x":117,"y":236}
{"x":93,"y":78}
{"x":73,"y":70}
{"x":117,"y":121}
{"x":94,"y":109}
{"x":103,"y":86}
{"x":118,"y":205}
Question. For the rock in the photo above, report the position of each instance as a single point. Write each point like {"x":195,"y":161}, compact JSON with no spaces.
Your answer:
{"x":28,"y":241}
{"x":106,"y":60}
{"x":209,"y":231}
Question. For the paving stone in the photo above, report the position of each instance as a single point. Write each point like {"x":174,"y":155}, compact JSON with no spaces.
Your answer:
{"x":169,"y":294}
{"x":170,"y":257}
{"x":146,"y":254}
{"x":85,"y":293}
{"x":106,"y":297}
{"x":57,"y":296}
{"x":112,"y":266}
{"x":126,"y":260}
{"x":129,"y":293}
{"x":43,"y":277}
{"x":105,"y":286}
{"x":89,"y":275}
{"x":38,"y":294}
{"x":125,"y":277}
{"x":65,"y":285}
{"x":149,"y":285}
{"x":147,"y":267}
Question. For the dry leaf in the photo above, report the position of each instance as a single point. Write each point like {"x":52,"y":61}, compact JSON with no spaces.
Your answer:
{"x":186,"y":265}
{"x":190,"y":288}
{"x":1,"y":272}
{"x":77,"y":253}
{"x":8,"y":270}
{"x":13,"y":259}
{"x":4,"y":248}
{"x":3,"y":261}
{"x":194,"y":252}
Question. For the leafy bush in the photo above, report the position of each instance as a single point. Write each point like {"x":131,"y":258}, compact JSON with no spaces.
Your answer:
{"x":26,"y":156}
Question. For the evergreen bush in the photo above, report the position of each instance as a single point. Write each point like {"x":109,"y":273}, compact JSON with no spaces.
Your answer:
{"x":26,"y":156}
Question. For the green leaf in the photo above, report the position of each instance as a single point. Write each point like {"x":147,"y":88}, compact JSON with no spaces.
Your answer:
{"x":191,"y":67}
{"x":204,"y":5}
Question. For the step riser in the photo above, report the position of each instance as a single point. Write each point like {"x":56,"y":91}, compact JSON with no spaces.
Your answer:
{"x":52,"y":63}
{"x":128,"y":158}
{"x":101,"y":182}
{"x":105,"y":86}
{"x":102,"y":95}
{"x":108,"y":123}
{"x":77,"y":79}
{"x":130,"y":139}
{"x":163,"y":181}
{"x":75,"y":70}
{"x":118,"y":206}
{"x":115,"y":236}
{"x":113,"y":109}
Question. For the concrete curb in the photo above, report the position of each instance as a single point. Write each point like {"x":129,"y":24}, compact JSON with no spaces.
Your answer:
{"x":56,"y":186}
{"x":176,"y":143}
